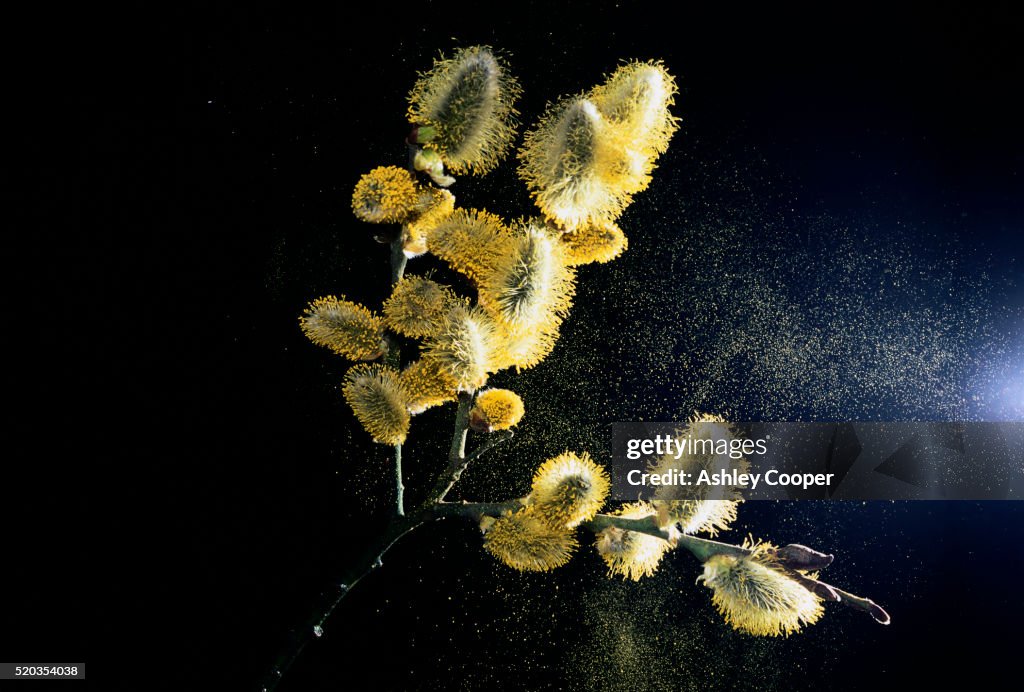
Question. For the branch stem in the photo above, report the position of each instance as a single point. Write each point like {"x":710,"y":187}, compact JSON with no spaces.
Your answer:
{"x":457,"y":452}
{"x":399,"y":485}
{"x":313,"y":627}
{"x":470,"y":510}
{"x":457,"y":460}
{"x":393,"y":358}
{"x":398,"y":260}
{"x":490,"y":443}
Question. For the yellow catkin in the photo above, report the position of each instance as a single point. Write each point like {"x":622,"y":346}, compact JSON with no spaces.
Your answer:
{"x":496,"y":409}
{"x":697,"y":516}
{"x":378,"y":400}
{"x":700,"y":507}
{"x":531,"y":285}
{"x":569,"y":489}
{"x":472,"y":242}
{"x":635,"y":103}
{"x":433,"y":207}
{"x":417,"y":307}
{"x":347,"y":328}
{"x":465,"y":346}
{"x":599,"y":242}
{"x":426,"y":385}
{"x":525,"y":347}
{"x":571,"y":163}
{"x":591,"y":153}
{"x":469,"y":100}
{"x":526,"y":542}
{"x":631,"y":554}
{"x":756,"y":596}
{"x":635,"y":100}
{"x":387,"y":194}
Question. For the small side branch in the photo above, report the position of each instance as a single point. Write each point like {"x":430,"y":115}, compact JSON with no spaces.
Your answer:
{"x":457,"y":460}
{"x":313,"y":627}
{"x":704,"y":548}
{"x":398,"y":260}
{"x":456,"y":470}
{"x":457,"y":452}
{"x":646,"y":525}
{"x":470,"y":510}
{"x":393,"y":358}
{"x":399,"y":485}
{"x":490,"y":443}
{"x":865,"y":604}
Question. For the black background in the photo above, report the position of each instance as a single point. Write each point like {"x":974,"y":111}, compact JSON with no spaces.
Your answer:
{"x":201,"y":161}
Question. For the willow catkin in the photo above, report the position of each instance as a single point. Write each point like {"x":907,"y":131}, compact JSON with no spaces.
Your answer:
{"x":465,"y":346}
{"x":387,"y":194}
{"x":417,"y":306}
{"x":434,"y":205}
{"x":469,"y":102}
{"x":496,"y":409}
{"x":530,"y":286}
{"x":427,"y":384}
{"x":569,"y":489}
{"x":598,"y":242}
{"x":572,"y":164}
{"x":525,"y":541}
{"x":347,"y":328}
{"x":700,"y":507}
{"x":473,"y":242}
{"x":631,"y":554}
{"x":756,"y":596}
{"x":379,"y":402}
{"x":635,"y":102}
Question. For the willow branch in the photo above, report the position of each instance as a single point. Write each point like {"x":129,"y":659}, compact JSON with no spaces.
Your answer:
{"x":456,"y":470}
{"x":646,"y":525}
{"x":313,"y":627}
{"x":703,"y":549}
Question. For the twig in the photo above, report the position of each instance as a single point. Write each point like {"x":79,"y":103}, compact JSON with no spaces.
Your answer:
{"x":457,"y":460}
{"x":470,"y":510}
{"x":701,"y":548}
{"x":457,"y":453}
{"x":313,"y":627}
{"x":399,"y":486}
{"x":398,"y":260}
{"x":493,"y":441}
{"x":866,"y":604}
{"x":393,"y":358}
{"x":646,"y":525}
{"x":459,"y":466}
{"x":433,"y":508}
